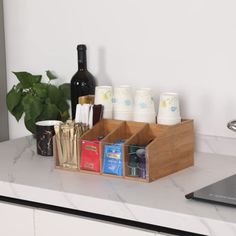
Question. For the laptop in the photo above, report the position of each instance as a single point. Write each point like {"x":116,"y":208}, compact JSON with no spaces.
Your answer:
{"x":221,"y":192}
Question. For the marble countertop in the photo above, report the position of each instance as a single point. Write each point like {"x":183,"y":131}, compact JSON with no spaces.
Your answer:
{"x":25,"y":175}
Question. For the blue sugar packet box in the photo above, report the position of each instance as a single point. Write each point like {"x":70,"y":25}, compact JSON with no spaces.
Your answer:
{"x":112,"y":159}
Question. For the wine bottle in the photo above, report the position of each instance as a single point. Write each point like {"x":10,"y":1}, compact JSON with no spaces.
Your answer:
{"x":83,"y":82}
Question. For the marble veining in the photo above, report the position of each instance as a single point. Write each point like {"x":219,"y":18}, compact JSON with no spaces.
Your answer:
{"x":25,"y":175}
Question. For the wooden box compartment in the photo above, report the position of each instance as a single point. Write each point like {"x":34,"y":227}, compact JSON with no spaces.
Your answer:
{"x":172,"y":149}
{"x":141,"y":139}
{"x":125,"y":131}
{"x":101,"y":129}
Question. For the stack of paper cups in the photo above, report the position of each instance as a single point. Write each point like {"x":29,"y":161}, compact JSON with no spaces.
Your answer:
{"x":144,"y":109}
{"x":103,"y":96}
{"x":169,"y":112}
{"x":123,"y":103}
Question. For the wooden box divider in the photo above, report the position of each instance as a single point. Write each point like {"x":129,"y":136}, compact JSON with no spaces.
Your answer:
{"x":102,"y":128}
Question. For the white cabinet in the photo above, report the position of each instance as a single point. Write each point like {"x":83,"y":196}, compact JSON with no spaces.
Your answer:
{"x":50,"y":223}
{"x":16,"y":220}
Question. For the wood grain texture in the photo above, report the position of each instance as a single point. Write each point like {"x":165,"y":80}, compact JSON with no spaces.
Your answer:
{"x":173,"y":150}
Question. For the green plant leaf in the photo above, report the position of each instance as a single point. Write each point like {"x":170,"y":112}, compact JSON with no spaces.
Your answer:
{"x":54,"y":94}
{"x":18,"y":111}
{"x":47,"y":101}
{"x":33,"y":106}
{"x":30,"y":124}
{"x":41,"y":90}
{"x":37,"y":100}
{"x":26,"y":79}
{"x":50,"y":112}
{"x":65,"y":88}
{"x":19,"y":87}
{"x":63,"y":105}
{"x":50,"y":75}
{"x":13,"y":98}
{"x":64,"y":115}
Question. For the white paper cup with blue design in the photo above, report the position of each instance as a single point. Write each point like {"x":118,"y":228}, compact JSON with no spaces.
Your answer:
{"x":123,"y":99}
{"x":103,"y":96}
{"x":143,"y":101}
{"x":169,"y":111}
{"x":123,"y":115}
{"x":144,"y":108}
{"x":145,"y":117}
{"x":123,"y":103}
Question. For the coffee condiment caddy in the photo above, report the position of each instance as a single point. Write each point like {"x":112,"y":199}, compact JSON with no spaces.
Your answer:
{"x":167,"y":148}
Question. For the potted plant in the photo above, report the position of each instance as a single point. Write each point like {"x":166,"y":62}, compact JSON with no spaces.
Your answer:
{"x":38,"y":100}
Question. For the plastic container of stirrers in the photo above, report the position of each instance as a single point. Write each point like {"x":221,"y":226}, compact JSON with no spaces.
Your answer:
{"x":66,"y":145}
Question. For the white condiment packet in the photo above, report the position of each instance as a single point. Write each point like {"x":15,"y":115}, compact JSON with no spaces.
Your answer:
{"x":85,"y":113}
{"x":78,"y":113}
{"x":90,"y":122}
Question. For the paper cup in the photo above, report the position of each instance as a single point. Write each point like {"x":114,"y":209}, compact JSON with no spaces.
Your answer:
{"x":103,"y":96}
{"x":143,"y":101}
{"x":167,"y":121}
{"x":107,"y":114}
{"x":169,"y":112}
{"x":123,"y":99}
{"x":121,"y":115}
{"x":145,"y":117}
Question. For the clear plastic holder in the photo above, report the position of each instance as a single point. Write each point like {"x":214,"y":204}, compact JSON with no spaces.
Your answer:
{"x":66,"y":153}
{"x":136,"y":153}
{"x":136,"y":161}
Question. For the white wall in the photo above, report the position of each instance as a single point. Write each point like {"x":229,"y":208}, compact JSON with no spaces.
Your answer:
{"x":185,"y":46}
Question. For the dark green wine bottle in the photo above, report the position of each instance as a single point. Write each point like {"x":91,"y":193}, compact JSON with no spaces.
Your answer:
{"x":83,"y":82}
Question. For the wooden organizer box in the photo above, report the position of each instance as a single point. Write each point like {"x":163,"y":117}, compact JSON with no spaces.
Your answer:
{"x":168,"y":148}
